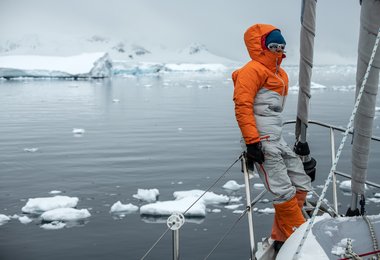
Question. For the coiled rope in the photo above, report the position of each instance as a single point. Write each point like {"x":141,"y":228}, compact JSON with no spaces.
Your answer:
{"x":163,"y":234}
{"x":333,"y":167}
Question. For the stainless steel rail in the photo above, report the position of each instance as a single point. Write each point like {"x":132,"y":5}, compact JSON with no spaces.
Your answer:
{"x":332,"y":144}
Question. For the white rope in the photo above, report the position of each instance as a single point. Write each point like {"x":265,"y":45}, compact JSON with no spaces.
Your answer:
{"x":349,"y":252}
{"x":373,"y":235}
{"x":333,"y":167}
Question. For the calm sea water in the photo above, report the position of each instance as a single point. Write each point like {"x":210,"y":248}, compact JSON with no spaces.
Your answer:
{"x":173,"y":132}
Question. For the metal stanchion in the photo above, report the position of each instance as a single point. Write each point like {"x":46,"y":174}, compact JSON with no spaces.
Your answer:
{"x":175,"y":222}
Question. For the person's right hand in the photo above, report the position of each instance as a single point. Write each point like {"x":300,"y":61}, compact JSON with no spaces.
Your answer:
{"x":254,"y":153}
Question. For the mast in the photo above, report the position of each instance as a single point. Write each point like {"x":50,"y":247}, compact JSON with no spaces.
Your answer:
{"x":301,"y":147}
{"x":369,"y":29}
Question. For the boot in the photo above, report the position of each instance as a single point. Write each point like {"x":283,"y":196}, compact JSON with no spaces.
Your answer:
{"x":287,"y":218}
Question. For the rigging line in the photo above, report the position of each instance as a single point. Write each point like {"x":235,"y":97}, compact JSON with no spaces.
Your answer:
{"x":333,"y":167}
{"x":155,"y":243}
{"x":330,"y":208}
{"x":213,"y":184}
{"x":227,"y":233}
{"x":235,"y":223}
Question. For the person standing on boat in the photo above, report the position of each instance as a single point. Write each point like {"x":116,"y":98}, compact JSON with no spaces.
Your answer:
{"x":260,"y":90}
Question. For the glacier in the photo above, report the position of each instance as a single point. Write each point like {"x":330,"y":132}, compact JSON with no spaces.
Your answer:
{"x":86,"y":65}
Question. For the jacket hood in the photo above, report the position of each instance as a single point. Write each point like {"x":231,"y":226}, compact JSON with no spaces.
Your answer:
{"x":254,"y":39}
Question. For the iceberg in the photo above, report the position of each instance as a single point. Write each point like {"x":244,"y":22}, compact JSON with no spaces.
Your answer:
{"x":86,"y":65}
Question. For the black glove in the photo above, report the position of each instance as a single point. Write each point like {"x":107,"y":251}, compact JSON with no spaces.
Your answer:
{"x":254,"y":153}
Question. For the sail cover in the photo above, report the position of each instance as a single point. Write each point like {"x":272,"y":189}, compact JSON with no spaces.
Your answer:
{"x":369,"y":27}
{"x":306,"y":62}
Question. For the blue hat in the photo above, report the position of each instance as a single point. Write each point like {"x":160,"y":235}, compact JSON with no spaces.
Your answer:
{"x":274,"y":36}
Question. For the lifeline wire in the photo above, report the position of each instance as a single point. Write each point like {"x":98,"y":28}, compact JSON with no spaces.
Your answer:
{"x":333,"y":167}
{"x":163,"y":234}
{"x":155,"y":243}
{"x":234,"y":224}
{"x":213,"y":184}
{"x":227,"y":233}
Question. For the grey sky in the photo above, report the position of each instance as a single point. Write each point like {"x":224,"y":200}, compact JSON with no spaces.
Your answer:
{"x":219,"y":24}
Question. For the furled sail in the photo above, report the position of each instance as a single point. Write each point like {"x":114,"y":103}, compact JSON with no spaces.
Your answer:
{"x":301,"y":147}
{"x":369,"y":28}
{"x":308,"y":15}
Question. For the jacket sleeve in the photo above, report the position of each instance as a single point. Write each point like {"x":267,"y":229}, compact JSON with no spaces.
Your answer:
{"x":247,"y":83}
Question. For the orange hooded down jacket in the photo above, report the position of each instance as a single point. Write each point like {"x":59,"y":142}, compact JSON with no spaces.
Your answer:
{"x":260,"y":88}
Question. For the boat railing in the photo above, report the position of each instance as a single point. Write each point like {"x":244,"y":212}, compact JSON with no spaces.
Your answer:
{"x":332,"y":129}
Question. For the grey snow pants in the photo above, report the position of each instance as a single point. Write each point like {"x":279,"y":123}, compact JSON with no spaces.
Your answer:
{"x":282,"y":171}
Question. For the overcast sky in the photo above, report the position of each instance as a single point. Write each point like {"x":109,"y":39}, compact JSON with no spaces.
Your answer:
{"x":219,"y":24}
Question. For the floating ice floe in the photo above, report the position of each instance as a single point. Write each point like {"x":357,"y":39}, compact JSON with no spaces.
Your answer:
{"x":78,"y":131}
{"x":115,"y":100}
{"x":127,"y":208}
{"x":208,"y":198}
{"x":39,"y":205}
{"x":31,"y":150}
{"x":235,"y":199}
{"x":86,"y":65}
{"x":55,"y":192}
{"x":148,"y":195}
{"x":25,"y":220}
{"x":266,"y":211}
{"x":167,"y":208}
{"x":4,"y":219}
{"x":183,"y":200}
{"x":232,"y":185}
{"x":233,"y":206}
{"x":65,"y":214}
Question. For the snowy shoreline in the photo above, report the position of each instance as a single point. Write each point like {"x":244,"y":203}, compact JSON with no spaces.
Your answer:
{"x":92,"y":66}
{"x":86,"y":65}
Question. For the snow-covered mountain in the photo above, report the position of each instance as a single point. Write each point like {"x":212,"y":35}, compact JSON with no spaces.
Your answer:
{"x":117,"y":49}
